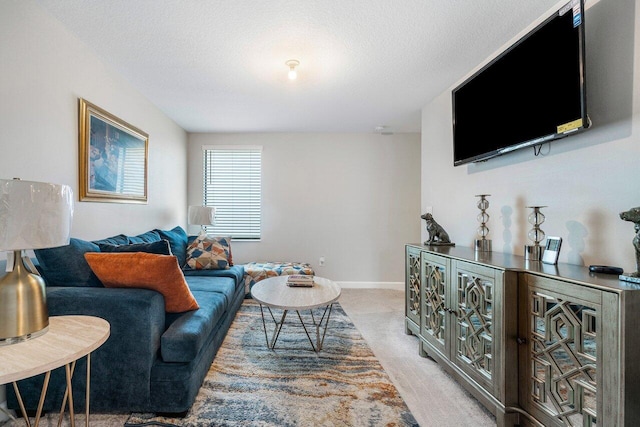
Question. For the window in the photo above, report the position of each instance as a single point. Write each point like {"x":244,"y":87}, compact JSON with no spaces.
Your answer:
{"x":232,"y":184}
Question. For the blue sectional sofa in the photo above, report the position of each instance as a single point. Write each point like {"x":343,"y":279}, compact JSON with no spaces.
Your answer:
{"x":153,"y":361}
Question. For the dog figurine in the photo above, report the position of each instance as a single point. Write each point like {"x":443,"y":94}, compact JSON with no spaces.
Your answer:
{"x":633,"y":215}
{"x":437,"y":235}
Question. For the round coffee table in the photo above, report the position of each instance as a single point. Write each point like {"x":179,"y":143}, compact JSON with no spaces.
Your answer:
{"x":274,"y":293}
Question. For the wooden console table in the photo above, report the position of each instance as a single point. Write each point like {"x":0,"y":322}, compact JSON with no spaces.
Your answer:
{"x":537,"y":344}
{"x":68,"y":339}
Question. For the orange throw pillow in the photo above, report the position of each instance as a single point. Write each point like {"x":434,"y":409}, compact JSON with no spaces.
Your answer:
{"x":160,"y":273}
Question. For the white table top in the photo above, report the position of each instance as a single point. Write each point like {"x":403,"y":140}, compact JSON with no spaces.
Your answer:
{"x":274,"y":292}
{"x":68,"y":338}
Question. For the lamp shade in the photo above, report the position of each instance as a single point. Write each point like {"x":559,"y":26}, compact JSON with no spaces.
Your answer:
{"x":34,"y":215}
{"x":202,"y":215}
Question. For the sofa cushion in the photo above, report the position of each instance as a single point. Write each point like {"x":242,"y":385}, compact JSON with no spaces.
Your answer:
{"x":222,"y":285}
{"x":160,"y":273}
{"x":161,"y":247}
{"x":208,"y":253}
{"x":148,"y":237}
{"x":177,"y":239}
{"x":120,"y":239}
{"x":66,"y":265}
{"x":184,"y":338}
{"x":236,"y":273}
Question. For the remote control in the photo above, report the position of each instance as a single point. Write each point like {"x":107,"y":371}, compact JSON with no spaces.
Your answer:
{"x":606,"y":269}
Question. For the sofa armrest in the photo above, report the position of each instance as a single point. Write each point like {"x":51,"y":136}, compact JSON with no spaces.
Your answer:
{"x":136,"y":316}
{"x":121,"y":367}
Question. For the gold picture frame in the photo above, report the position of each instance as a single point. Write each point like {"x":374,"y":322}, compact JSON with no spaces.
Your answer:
{"x":113,"y":157}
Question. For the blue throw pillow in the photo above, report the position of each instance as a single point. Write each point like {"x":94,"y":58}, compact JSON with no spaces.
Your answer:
{"x":120,"y":239}
{"x":177,"y":239}
{"x":148,"y":237}
{"x":66,"y":266}
{"x":161,"y":247}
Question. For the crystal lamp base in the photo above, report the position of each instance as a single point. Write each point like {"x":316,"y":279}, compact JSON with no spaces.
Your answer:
{"x":533,"y":252}
{"x":483,"y":245}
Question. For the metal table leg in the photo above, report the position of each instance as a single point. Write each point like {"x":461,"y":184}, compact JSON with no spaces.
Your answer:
{"x":276,"y":332}
{"x":318,"y":325}
{"x":67,"y":399}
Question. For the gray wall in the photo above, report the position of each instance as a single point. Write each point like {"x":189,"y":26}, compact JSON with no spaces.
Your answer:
{"x":44,"y":70}
{"x":585,"y":180}
{"x":352,"y":198}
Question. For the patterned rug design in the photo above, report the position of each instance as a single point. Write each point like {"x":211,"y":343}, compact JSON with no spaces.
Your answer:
{"x":250,"y":385}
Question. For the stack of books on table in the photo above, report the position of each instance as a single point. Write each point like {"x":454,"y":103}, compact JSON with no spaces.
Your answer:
{"x":299,"y":281}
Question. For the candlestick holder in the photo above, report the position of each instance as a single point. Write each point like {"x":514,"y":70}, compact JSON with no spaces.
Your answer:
{"x":534,"y":252}
{"x":483,"y":244}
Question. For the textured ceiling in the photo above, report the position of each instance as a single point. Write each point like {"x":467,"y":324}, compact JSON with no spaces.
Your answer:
{"x":218,"y":66}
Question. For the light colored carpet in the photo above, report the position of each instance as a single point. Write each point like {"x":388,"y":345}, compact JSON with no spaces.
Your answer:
{"x":250,"y":385}
{"x":433,"y":396}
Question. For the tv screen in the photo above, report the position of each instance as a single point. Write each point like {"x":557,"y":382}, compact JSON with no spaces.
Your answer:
{"x":531,"y":93}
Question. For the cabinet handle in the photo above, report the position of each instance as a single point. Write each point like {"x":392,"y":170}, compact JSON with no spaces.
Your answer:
{"x":521,"y":341}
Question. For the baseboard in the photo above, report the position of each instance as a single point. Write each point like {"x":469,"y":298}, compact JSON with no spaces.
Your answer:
{"x":397,"y":286}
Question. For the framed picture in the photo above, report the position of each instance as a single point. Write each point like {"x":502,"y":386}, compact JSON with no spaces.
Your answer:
{"x":113,"y":158}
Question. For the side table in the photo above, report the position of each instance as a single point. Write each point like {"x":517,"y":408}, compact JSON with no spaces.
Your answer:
{"x":68,"y":339}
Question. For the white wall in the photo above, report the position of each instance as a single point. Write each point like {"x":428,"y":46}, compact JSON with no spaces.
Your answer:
{"x":352,"y":198}
{"x":586,"y":180}
{"x":44,"y":69}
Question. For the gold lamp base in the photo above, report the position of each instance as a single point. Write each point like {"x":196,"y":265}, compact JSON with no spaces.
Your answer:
{"x":23,"y":303}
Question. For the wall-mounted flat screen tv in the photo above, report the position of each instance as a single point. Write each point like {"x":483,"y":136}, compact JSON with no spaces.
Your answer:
{"x":531,"y":93}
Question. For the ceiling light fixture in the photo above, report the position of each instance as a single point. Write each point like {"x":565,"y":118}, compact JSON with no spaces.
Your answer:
{"x":292,"y":64}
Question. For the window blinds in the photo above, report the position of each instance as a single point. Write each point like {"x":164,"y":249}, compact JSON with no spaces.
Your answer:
{"x":131,"y":163}
{"x":232,"y":184}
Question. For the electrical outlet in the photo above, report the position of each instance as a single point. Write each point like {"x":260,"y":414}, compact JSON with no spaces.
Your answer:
{"x":321,"y":261}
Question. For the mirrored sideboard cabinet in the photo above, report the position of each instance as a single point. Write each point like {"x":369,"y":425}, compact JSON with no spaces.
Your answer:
{"x":536,"y":344}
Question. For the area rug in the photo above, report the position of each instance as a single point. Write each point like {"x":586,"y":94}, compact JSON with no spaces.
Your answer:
{"x":250,"y":385}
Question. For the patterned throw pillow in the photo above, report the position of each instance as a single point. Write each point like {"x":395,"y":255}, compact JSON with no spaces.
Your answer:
{"x":209,"y":253}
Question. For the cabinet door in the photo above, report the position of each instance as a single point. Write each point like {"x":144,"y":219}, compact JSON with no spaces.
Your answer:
{"x":412,"y":286}
{"x":559,"y":362}
{"x":435,"y":297}
{"x":473,"y":313}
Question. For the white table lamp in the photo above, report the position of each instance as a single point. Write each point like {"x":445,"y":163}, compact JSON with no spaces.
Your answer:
{"x":202,"y":215}
{"x":33,"y":215}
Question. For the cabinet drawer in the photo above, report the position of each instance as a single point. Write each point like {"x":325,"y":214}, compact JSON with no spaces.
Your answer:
{"x":577,"y":293}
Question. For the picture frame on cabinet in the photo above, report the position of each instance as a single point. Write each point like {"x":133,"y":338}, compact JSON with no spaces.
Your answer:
{"x":552,"y":250}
